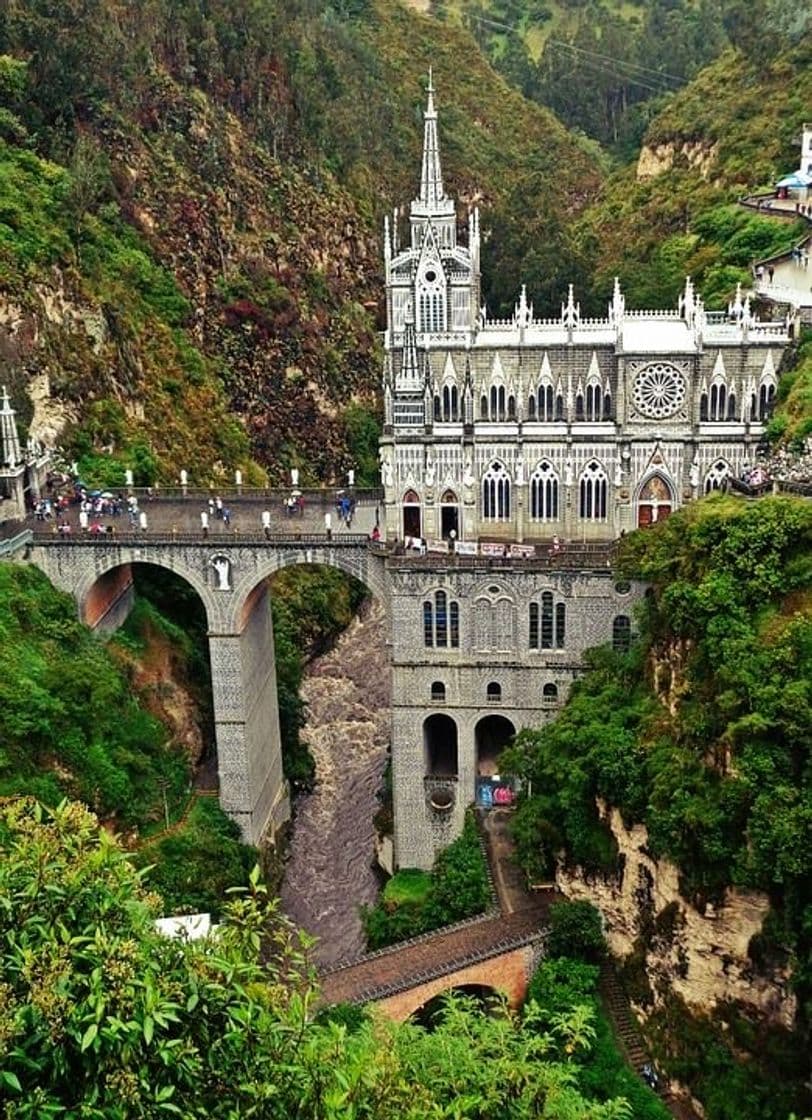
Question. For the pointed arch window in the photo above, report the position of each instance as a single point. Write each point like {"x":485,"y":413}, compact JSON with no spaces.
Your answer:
{"x":544,"y":493}
{"x":717,"y":402}
{"x":447,"y":405}
{"x":607,"y":405}
{"x":432,"y":310}
{"x":547,"y":623}
{"x":579,"y":407}
{"x":766,"y":399}
{"x":546,"y":403}
{"x":717,"y":476}
{"x":441,"y":622}
{"x":531,"y":407}
{"x":496,"y":493}
{"x":703,"y":408}
{"x":593,"y":405}
{"x":592,"y":492}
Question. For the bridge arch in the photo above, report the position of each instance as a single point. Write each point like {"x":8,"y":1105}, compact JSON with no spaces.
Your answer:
{"x":230,"y":576}
{"x":367,"y":568}
{"x":97,"y":579}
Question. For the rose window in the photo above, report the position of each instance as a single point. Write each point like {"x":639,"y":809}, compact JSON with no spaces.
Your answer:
{"x":659,"y":390}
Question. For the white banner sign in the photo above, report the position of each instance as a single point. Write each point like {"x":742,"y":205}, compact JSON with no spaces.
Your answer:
{"x":466,"y":548}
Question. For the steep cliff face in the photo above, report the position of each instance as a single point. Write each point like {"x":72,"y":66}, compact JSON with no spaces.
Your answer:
{"x":190,"y":264}
{"x":702,"y":957}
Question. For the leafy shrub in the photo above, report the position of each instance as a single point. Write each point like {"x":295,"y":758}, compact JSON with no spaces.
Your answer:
{"x":414,"y":902}
{"x":576,"y":930}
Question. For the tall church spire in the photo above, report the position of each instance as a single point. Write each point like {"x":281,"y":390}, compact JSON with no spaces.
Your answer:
{"x":431,"y":177}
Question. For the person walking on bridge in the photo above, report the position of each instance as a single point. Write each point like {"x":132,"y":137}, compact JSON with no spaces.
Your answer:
{"x":266,"y":523}
{"x":204,"y":522}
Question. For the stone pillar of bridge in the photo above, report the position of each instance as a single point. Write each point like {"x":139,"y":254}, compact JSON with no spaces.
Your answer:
{"x":253,"y":790}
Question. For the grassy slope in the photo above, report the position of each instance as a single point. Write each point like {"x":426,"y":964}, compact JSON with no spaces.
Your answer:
{"x":71,"y":725}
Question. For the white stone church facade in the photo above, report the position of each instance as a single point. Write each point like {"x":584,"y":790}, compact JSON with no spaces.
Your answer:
{"x":526,"y":428}
{"x":500,"y":436}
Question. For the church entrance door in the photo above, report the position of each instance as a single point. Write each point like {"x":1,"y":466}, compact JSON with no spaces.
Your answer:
{"x":412,"y":521}
{"x":655,"y":501}
{"x":449,"y":516}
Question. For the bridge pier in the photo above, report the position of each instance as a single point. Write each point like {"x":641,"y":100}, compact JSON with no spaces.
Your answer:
{"x":253,"y":790}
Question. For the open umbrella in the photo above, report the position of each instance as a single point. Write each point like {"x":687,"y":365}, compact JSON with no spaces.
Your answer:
{"x":107,"y":494}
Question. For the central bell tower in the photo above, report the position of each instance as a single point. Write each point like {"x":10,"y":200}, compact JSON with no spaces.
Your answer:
{"x":433,"y":282}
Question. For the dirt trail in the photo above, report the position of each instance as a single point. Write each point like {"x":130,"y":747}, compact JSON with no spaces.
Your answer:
{"x":329,"y":872}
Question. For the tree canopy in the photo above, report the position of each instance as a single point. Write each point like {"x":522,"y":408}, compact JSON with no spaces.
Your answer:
{"x":101,"y":1017}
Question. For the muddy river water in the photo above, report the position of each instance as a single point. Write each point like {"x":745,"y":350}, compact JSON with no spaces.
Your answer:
{"x":330,"y":871}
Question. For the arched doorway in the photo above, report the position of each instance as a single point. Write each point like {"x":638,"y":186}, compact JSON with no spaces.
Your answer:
{"x":449,"y":515}
{"x":654,"y":502}
{"x":412,"y":520}
{"x":493,"y":733}
{"x":440,"y":751}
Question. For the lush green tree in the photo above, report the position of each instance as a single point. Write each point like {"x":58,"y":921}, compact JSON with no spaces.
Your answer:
{"x":102,"y":1017}
{"x":576,"y":930}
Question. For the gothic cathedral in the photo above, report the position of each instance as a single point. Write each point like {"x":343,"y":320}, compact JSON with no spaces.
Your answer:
{"x":522,"y":429}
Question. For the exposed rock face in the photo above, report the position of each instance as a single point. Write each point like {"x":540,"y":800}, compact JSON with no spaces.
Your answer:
{"x":701,"y":957}
{"x":656,"y":160}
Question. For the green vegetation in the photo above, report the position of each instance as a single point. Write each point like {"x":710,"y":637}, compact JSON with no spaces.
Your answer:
{"x":194,"y":866}
{"x":224,"y":1027}
{"x":576,"y":931}
{"x":69,"y":725}
{"x":792,"y":422}
{"x":566,"y":988}
{"x":731,"y":131}
{"x":311,"y":607}
{"x":702,"y":731}
{"x":415,"y":902}
{"x":72,"y":724}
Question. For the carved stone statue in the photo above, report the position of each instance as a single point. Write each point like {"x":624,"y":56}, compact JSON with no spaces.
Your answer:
{"x":618,"y":479}
{"x":520,"y":471}
{"x":222,"y":566}
{"x":693,"y":474}
{"x":569,"y":473}
{"x":387,"y":475}
{"x":430,"y":472}
{"x":294,"y":476}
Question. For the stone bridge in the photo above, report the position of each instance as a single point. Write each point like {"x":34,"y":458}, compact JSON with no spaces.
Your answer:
{"x":498,"y":952}
{"x":461,"y":686}
{"x":230,"y":576}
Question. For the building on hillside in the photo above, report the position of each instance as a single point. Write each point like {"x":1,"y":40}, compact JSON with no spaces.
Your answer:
{"x":524,"y":428}
{"x":518,"y":436}
{"x":798,"y":184}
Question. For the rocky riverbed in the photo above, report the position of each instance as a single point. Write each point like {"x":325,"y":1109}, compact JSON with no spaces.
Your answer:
{"x":330,"y":871}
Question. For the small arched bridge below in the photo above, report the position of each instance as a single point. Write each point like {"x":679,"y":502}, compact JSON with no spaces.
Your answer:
{"x":499,"y":951}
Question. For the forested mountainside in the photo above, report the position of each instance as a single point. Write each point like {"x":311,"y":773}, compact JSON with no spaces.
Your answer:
{"x":189,"y":209}
{"x":701,"y":733}
{"x":672,"y":213}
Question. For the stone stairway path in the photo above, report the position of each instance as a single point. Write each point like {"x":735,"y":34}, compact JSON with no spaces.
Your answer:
{"x":627,"y":1033}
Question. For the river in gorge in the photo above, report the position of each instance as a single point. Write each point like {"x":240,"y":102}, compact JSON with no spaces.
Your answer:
{"x":330,"y":869}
